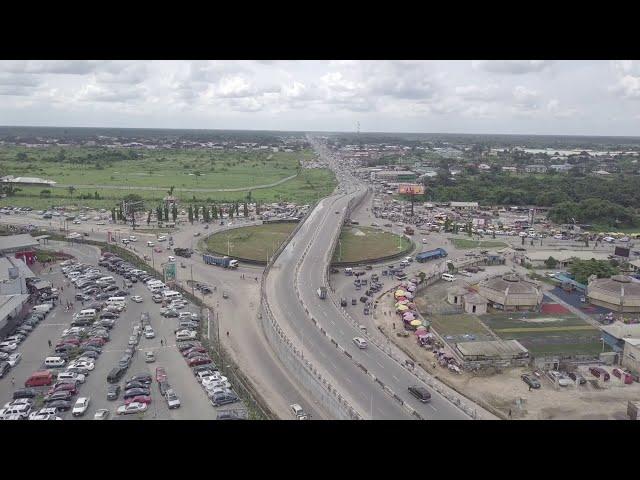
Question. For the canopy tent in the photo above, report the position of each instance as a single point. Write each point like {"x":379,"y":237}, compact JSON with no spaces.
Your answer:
{"x":402,"y":308}
{"x":400,"y":293}
{"x":408,"y":316}
{"x":415,"y":323}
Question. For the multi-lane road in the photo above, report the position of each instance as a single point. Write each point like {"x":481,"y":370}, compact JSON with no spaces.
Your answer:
{"x":310,"y":248}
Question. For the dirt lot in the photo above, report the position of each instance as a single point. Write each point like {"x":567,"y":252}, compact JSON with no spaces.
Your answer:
{"x":500,"y":392}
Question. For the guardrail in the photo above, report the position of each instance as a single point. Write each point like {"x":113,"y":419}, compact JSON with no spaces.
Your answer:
{"x":288,"y":352}
{"x":384,"y":345}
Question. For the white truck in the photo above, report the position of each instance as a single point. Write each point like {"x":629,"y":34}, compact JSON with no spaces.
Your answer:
{"x":322,"y":292}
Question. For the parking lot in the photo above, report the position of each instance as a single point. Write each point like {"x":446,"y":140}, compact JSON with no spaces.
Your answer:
{"x":35,"y":348}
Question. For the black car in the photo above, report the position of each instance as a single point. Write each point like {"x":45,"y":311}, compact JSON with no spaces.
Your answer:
{"x":62,"y":405}
{"x":103,"y":296}
{"x":421,"y":393}
{"x":142,"y":378}
{"x":224,"y":398}
{"x":343,"y":302}
{"x":120,"y":293}
{"x":530,"y":380}
{"x":109,"y":315}
{"x":59,"y":395}
{"x":106,"y":323}
{"x":94,"y":348}
{"x":130,"y":385}
{"x":90,"y":354}
{"x":134,"y":392}
{"x":186,"y":346}
{"x":164,"y":386}
{"x":65,"y":348}
{"x":115,"y":375}
{"x":4,"y":368}
{"x":576,"y":376}
{"x":113,"y":392}
{"x":25,"y":393}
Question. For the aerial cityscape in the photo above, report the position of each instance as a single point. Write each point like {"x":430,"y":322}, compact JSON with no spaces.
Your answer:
{"x":294,"y":240}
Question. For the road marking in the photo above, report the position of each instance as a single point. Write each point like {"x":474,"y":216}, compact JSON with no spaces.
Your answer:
{"x":381,"y":366}
{"x":434,"y":408}
{"x":332,"y":321}
{"x":397,"y":379}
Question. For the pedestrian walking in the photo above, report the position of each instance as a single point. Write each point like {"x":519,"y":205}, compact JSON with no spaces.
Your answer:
{"x":161,"y":343}
{"x":227,"y":333}
{"x":256,"y":279}
{"x":13,"y":380}
{"x":509,"y":413}
{"x":394,"y":325}
{"x":529,"y":387}
{"x":49,"y":341}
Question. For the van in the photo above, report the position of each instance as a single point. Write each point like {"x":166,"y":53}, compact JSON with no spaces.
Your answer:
{"x":157,"y":288}
{"x":39,"y":379}
{"x":115,"y":375}
{"x":447,"y":277}
{"x":21,"y":411}
{"x":88,"y":313}
{"x":116,"y":301}
{"x":105,"y":280}
{"x":44,"y":308}
{"x":54,"y":362}
{"x":171,"y":295}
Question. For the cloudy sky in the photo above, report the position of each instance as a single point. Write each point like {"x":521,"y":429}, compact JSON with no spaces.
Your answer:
{"x":527,"y":96}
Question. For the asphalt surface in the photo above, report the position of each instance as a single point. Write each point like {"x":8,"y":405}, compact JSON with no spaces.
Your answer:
{"x":367,"y":397}
{"x":195,"y":404}
{"x":237,"y":314}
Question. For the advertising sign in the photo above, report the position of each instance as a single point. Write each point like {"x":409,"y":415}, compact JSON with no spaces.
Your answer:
{"x":410,"y":189}
{"x":621,"y":252}
{"x":169,"y":272}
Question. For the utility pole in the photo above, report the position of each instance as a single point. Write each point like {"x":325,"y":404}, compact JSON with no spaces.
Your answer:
{"x":192,"y":287}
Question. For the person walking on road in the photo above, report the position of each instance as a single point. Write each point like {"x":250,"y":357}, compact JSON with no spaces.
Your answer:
{"x":529,"y":387}
{"x":161,"y":343}
{"x":227,"y":333}
{"x":49,"y":341}
{"x":13,"y":381}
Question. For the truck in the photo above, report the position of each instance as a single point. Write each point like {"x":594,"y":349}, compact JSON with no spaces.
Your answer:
{"x":226,"y":262}
{"x":409,"y":230}
{"x":182,"y":252}
{"x":322,"y":292}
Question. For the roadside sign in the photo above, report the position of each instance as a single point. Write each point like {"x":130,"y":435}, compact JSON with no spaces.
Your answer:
{"x":169,"y":272}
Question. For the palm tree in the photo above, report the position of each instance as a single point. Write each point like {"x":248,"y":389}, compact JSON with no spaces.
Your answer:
{"x":71,"y":189}
{"x":170,"y":191}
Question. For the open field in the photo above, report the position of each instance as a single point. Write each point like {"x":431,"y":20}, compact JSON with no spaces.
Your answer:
{"x":462,"y":243}
{"x":254,"y":242}
{"x":307,"y":187}
{"x":457,"y":325}
{"x":360,"y":243}
{"x":562,"y":335}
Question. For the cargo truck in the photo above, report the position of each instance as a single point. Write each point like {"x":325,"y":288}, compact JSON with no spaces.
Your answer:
{"x":226,"y":262}
{"x":322,"y":293}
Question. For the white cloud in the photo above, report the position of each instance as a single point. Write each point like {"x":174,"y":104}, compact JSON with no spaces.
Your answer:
{"x":516,"y":67}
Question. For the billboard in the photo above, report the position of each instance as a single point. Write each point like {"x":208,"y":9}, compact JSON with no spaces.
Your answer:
{"x":410,"y":189}
{"x":169,"y":272}
{"x":621,"y":252}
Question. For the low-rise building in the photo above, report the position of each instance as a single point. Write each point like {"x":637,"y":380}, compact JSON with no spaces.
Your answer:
{"x":563,"y":257}
{"x":631,"y":355}
{"x":615,"y":334}
{"x":493,"y":353}
{"x":618,"y":293}
{"x":510,"y":292}
{"x":535,"y":169}
{"x":463,"y":205}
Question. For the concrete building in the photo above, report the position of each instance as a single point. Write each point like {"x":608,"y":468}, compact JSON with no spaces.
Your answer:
{"x":535,"y":169}
{"x":510,"y":292}
{"x":475,"y":304}
{"x":510,"y":169}
{"x":13,"y":287}
{"x":618,"y":293}
{"x":463,"y":205}
{"x":564,"y":168}
{"x":615,"y":334}
{"x":631,"y":355}
{"x":493,"y":353}
{"x":396,"y":176}
{"x":456,"y":294}
{"x":27,"y":181}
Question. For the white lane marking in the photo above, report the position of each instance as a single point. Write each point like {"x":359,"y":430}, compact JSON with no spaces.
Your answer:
{"x":332,"y":322}
{"x":348,"y":380}
{"x":397,"y":379}
{"x":434,"y":408}
{"x":381,"y":366}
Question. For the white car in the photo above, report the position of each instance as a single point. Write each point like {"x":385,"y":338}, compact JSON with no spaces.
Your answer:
{"x":562,"y":380}
{"x":360,"y":342}
{"x":101,"y":223}
{"x":14,"y":359}
{"x":196,"y":234}
{"x":77,"y":377}
{"x":81,"y":406}
{"x":133,"y":407}
{"x":424,"y":240}
{"x":185,"y":335}
{"x":172,"y":258}
{"x":162,"y":238}
{"x":172,"y":399}
{"x":137,"y":299}
{"x":18,"y":401}
{"x":133,"y":238}
{"x":149,"y":333}
{"x":82,"y":364}
{"x":217,"y":384}
{"x":8,"y":346}
{"x":102,"y":414}
{"x":150,"y":244}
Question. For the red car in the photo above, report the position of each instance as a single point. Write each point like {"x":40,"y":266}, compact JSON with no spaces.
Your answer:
{"x":157,"y":250}
{"x":68,"y":341}
{"x":161,"y":374}
{"x":58,"y":387}
{"x":140,"y":399}
{"x":193,"y":362}
{"x":98,"y":340}
{"x":194,"y":349}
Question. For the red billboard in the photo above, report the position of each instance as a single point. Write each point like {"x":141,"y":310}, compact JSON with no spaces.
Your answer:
{"x":410,"y":189}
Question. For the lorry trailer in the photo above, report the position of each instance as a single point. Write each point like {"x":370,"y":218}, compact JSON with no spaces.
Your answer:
{"x":226,"y":262}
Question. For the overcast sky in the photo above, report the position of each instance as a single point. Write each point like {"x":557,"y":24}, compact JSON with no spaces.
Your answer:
{"x":528,"y":96}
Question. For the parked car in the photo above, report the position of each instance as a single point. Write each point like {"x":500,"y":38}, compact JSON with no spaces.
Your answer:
{"x":102,"y":414}
{"x":530,"y":380}
{"x":81,"y":406}
{"x":600,"y":372}
{"x":134,"y":407}
{"x":138,"y":399}
{"x":575,"y":376}
{"x":360,"y":342}
{"x":113,"y":392}
{"x":421,"y":393}
{"x":172,"y":399}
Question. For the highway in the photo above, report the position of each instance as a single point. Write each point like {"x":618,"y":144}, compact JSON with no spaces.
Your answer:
{"x":315,"y":237}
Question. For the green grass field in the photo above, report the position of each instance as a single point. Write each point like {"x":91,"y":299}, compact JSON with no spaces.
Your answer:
{"x":361,"y":243}
{"x":254,"y":242}
{"x":547,"y":334}
{"x":457,"y":325}
{"x":463,"y":243}
{"x":307,"y":187}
